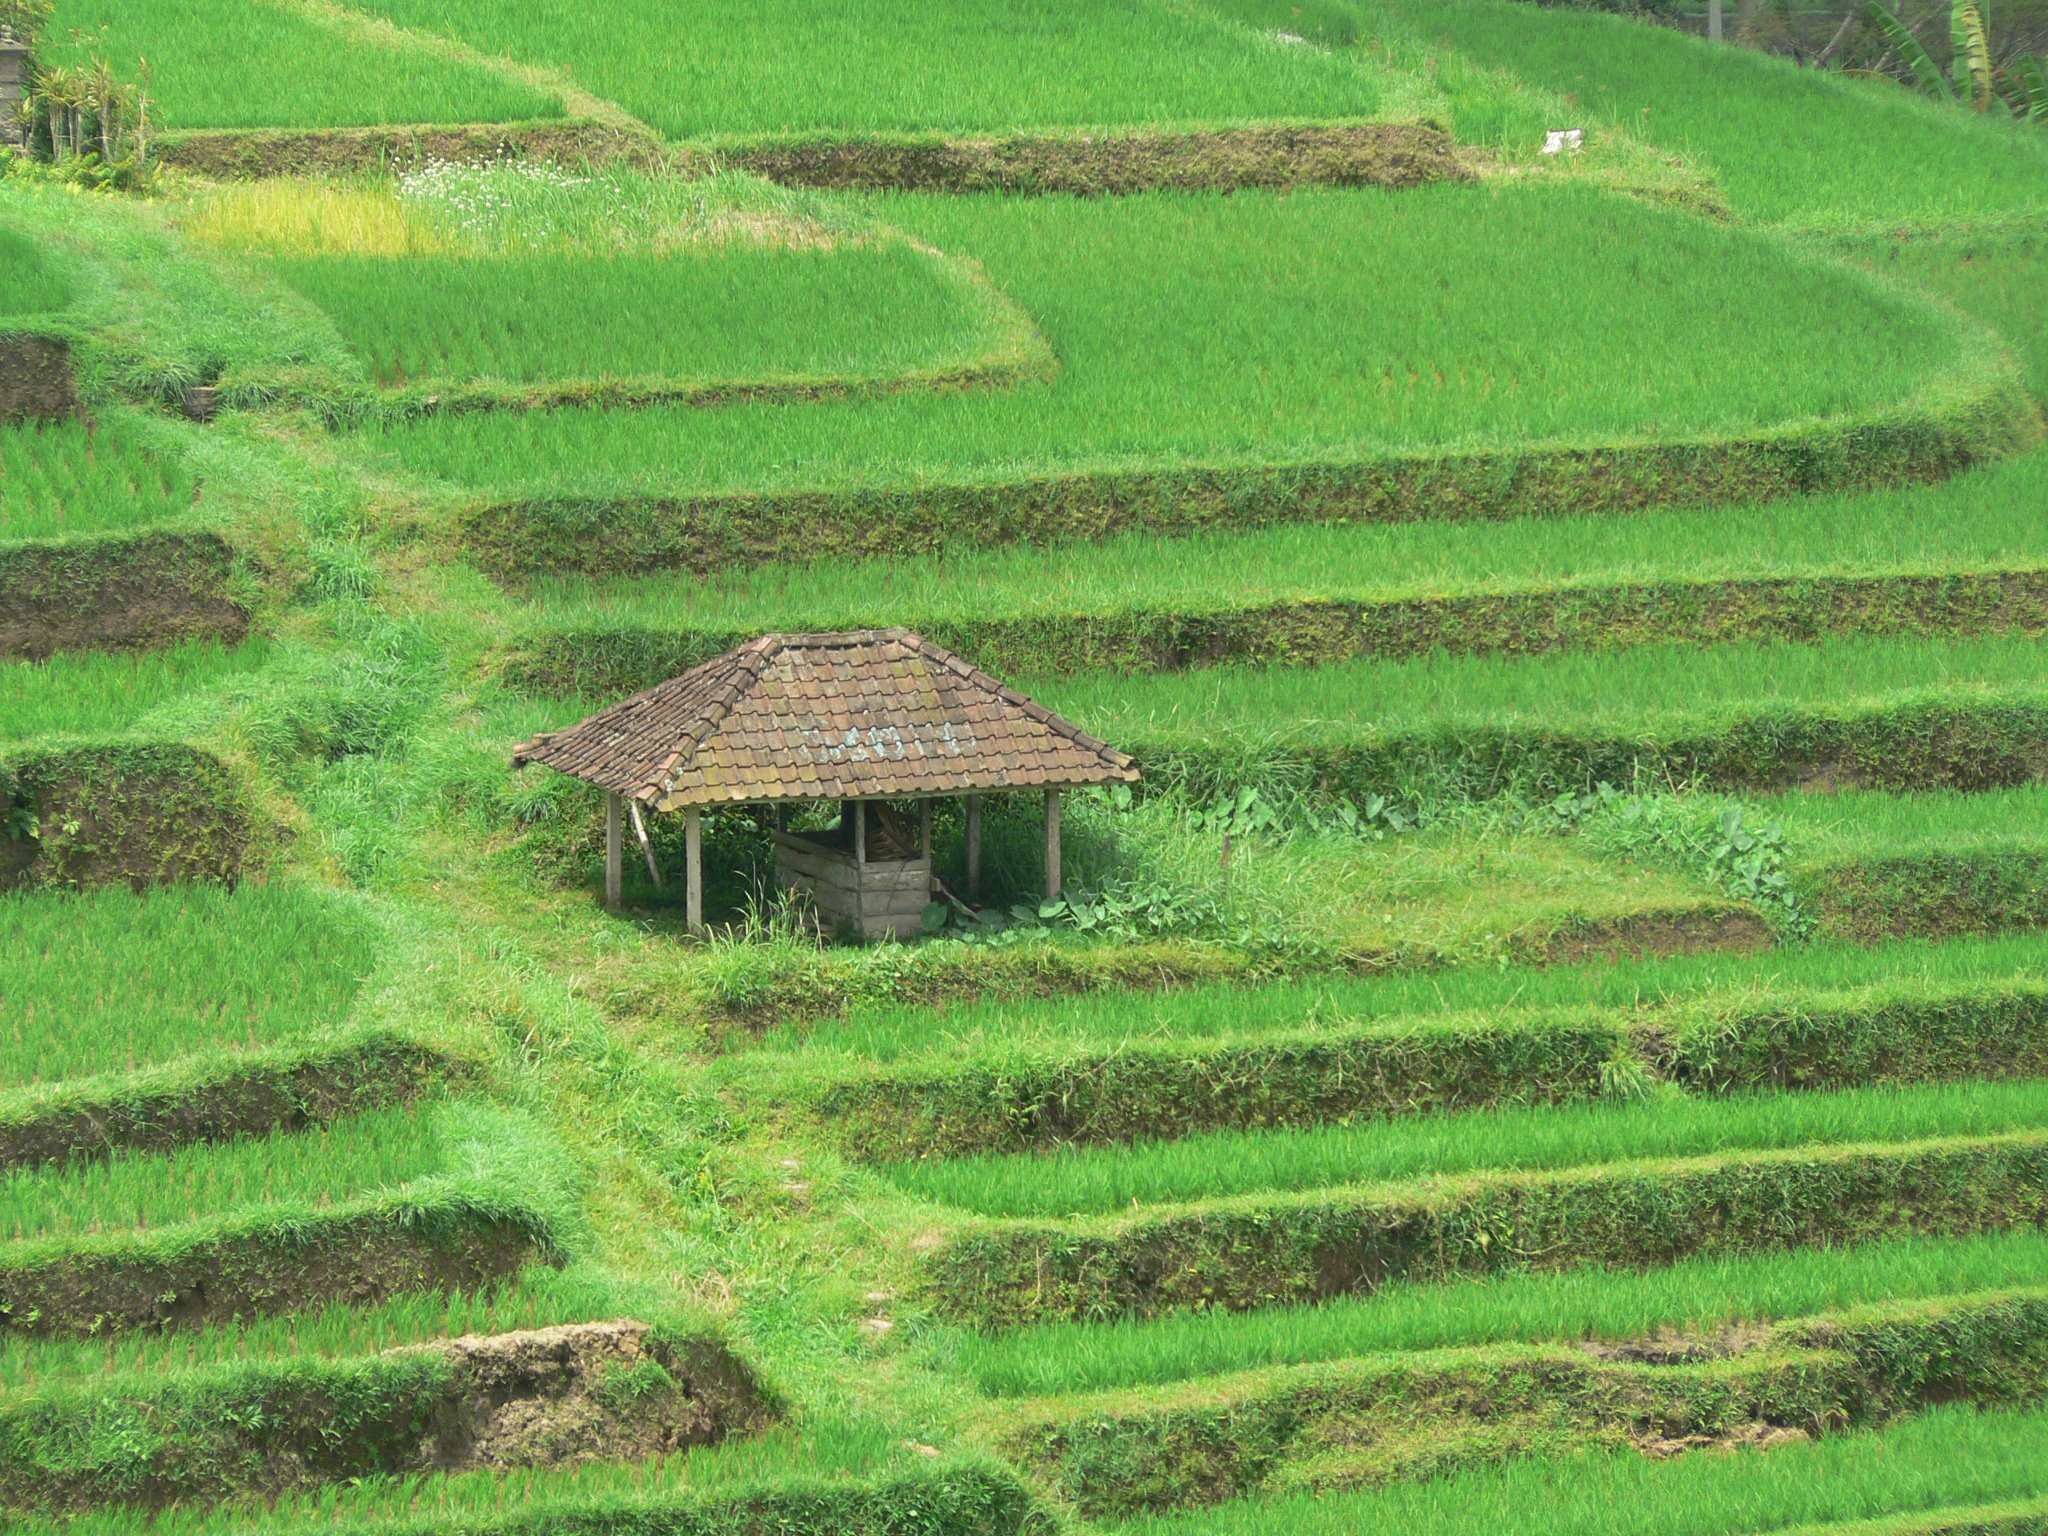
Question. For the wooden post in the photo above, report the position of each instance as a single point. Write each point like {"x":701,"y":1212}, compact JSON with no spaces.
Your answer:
{"x":693,"y":875}
{"x":974,"y":847}
{"x":646,"y":843}
{"x":1713,"y":21}
{"x":614,"y":875}
{"x":1052,"y":845}
{"x":924,"y":832}
{"x":860,"y":833}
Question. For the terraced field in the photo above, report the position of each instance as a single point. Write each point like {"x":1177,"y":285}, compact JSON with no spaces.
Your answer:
{"x":1557,"y":1038}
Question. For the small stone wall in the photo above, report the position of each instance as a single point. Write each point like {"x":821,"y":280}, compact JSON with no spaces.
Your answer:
{"x":36,"y":383}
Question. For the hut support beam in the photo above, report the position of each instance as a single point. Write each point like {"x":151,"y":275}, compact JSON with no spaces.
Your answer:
{"x":614,"y":872}
{"x":1053,"y":880}
{"x":646,"y":844}
{"x":693,"y":873}
{"x":974,"y":847}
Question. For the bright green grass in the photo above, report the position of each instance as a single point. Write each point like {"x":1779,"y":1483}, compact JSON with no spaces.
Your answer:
{"x":1869,"y":824}
{"x":2001,"y":279}
{"x":94,"y":693}
{"x":65,"y":478}
{"x":825,"y":1448}
{"x":1943,"y":1459}
{"x":108,"y":981}
{"x":540,"y":1298}
{"x":261,"y":64}
{"x":702,"y":317}
{"x":885,"y":1033}
{"x":1098,"y":1180}
{"x":1696,"y":1296}
{"x":30,"y":284}
{"x":1263,"y":329}
{"x":696,"y":68}
{"x":140,"y":1191}
{"x":1774,"y":134}
{"x":1986,"y":520}
{"x":1633,"y":691}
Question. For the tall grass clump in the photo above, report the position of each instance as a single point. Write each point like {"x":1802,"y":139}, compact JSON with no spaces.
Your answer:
{"x":381,"y":1149}
{"x":901,"y":67}
{"x":1693,"y":1297}
{"x":1098,"y":1180}
{"x":90,"y":693}
{"x":248,"y":64}
{"x":1217,"y":331}
{"x":65,"y":478}
{"x":109,"y":980}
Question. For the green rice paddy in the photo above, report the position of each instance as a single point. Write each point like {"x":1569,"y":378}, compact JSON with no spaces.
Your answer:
{"x":109,"y":981}
{"x":541,"y":1298}
{"x":1632,"y":691}
{"x":379,"y":1150}
{"x":1944,"y":1459}
{"x":1222,"y":331}
{"x":703,"y":318}
{"x":88,"y":693}
{"x":64,"y":478}
{"x":1768,"y":130}
{"x":1696,"y":1297}
{"x":697,"y":69}
{"x":1791,"y":976}
{"x":259,"y":64}
{"x":1103,"y":1180}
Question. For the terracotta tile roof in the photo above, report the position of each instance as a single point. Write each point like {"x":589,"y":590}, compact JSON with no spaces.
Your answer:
{"x":870,"y":713}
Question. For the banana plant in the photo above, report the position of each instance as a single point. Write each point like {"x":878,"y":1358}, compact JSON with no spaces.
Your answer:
{"x":1973,"y":77}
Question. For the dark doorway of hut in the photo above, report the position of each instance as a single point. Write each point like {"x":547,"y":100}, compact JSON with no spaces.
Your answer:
{"x":882,"y":722}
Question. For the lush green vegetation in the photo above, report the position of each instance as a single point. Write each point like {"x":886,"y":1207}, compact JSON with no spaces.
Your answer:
{"x":1695,"y":1298}
{"x":1768,"y":130}
{"x":901,"y":67}
{"x":540,"y":1298}
{"x":408,"y":1080}
{"x":1947,"y":1459}
{"x":701,"y":320}
{"x":885,"y":1030}
{"x":110,"y":981}
{"x":251,"y":64}
{"x":525,"y":275}
{"x":380,"y":1150}
{"x":29,"y":283}
{"x":1098,"y":1180}
{"x":1632,"y":691}
{"x":66,"y":478}
{"x":1499,"y":321}
{"x":88,"y":693}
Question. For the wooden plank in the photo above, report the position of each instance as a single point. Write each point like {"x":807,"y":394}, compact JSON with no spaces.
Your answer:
{"x":1053,"y":881}
{"x":974,"y":847}
{"x":693,"y":875}
{"x":894,"y":904}
{"x":614,"y":868}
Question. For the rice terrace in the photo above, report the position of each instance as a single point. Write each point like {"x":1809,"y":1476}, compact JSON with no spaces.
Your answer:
{"x":1023,"y":767}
